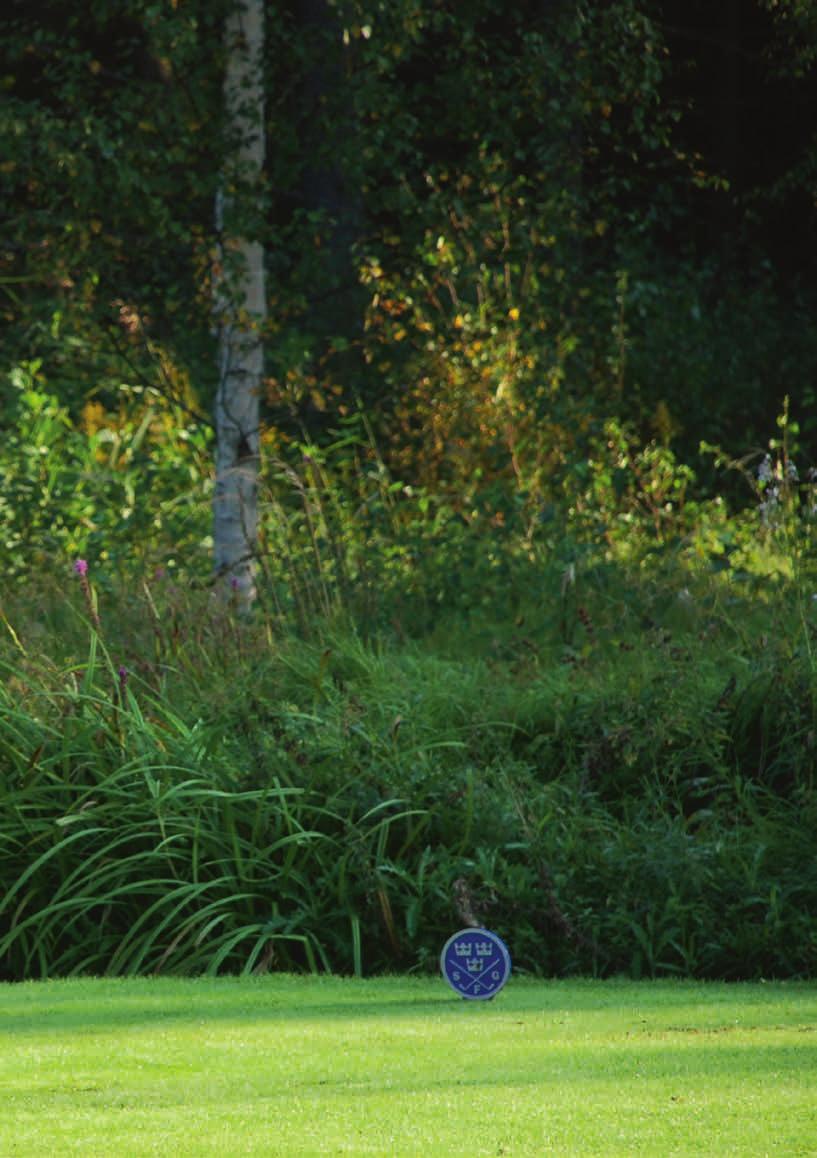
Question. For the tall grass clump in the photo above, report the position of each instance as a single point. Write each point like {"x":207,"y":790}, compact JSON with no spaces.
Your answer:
{"x":132,"y":843}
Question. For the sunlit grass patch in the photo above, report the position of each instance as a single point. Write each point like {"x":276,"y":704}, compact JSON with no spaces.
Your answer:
{"x":283,"y":1065}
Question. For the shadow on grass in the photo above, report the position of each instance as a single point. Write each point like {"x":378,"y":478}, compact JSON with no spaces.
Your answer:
{"x":97,"y":1005}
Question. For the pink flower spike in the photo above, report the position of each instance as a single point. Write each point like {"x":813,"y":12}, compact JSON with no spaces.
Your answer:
{"x":81,"y":566}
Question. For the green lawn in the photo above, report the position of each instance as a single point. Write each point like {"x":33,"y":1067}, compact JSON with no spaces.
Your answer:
{"x":285,"y":1066}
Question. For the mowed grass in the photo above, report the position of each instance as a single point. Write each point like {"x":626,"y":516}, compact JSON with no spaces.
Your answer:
{"x":282,"y":1065}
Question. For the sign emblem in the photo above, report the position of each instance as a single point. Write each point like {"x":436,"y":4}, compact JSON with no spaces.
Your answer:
{"x":475,"y":963}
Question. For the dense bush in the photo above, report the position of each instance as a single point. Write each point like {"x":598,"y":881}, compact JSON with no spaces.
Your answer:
{"x":623,"y":784}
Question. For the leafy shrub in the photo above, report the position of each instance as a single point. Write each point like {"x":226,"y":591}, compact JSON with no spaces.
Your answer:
{"x":128,"y":489}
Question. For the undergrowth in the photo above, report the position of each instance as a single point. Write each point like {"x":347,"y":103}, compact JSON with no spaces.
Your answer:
{"x":591,"y":726}
{"x":620,"y":780}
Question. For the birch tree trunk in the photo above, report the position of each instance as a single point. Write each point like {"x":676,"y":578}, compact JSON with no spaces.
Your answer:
{"x":240,"y":303}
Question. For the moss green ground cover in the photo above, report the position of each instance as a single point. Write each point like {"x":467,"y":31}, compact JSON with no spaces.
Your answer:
{"x":284,"y":1065}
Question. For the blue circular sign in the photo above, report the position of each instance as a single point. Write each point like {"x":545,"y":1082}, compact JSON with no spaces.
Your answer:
{"x":475,"y":963}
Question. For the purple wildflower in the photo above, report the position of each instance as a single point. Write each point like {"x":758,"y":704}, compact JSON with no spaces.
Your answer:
{"x":81,"y":569}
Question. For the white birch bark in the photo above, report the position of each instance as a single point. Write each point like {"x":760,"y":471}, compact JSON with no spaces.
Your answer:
{"x":240,"y":303}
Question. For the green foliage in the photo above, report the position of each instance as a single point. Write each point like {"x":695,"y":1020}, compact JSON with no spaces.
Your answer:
{"x":126,"y":488}
{"x":622,"y":782}
{"x":107,"y":173}
{"x":128,"y":849}
{"x":519,"y":649}
{"x":701,"y":352}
